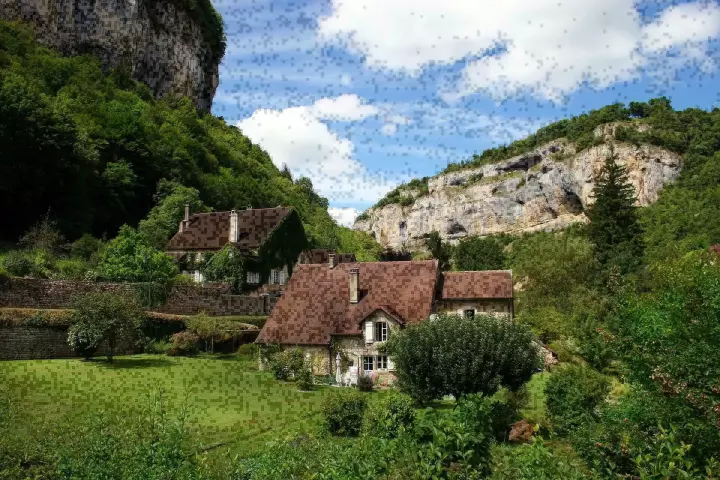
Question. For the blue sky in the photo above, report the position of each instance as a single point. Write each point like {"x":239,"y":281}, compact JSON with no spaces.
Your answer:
{"x":360,"y":95}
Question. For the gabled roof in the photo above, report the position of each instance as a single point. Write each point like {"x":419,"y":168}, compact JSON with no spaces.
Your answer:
{"x":211,"y":231}
{"x":316,"y":301}
{"x":320,"y":255}
{"x":480,"y":284}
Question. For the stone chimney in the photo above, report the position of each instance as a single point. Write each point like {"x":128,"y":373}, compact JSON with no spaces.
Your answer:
{"x":331,"y":260}
{"x":184,"y":222}
{"x":233,"y":237}
{"x":187,"y":212}
{"x":354,"y":285}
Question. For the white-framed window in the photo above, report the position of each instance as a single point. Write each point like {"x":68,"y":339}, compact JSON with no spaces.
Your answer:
{"x":470,"y":313}
{"x":274,"y":276}
{"x":381,"y":331}
{"x":382,"y":362}
{"x":368,"y":364}
{"x":253,"y":278}
{"x":198,"y":277}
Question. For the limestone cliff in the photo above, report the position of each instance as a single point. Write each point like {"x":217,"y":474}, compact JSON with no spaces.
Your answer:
{"x":545,"y":189}
{"x":162,"y":43}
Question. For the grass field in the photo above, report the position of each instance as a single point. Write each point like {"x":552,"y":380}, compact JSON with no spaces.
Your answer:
{"x":228,"y":401}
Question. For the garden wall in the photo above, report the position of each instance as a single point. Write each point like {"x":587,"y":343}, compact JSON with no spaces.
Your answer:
{"x":180,"y":300}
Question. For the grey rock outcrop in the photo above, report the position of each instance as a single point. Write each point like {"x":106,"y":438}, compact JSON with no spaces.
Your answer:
{"x":546,"y":189}
{"x":162,"y":45}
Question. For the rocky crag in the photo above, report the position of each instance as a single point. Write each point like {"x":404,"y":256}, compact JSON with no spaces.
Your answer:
{"x":161,"y":42}
{"x":545,"y":189}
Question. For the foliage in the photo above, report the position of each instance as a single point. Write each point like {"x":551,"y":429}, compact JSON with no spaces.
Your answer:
{"x":365,"y":383}
{"x":439,"y":250}
{"x":130,"y":258}
{"x":573,"y":394}
{"x":18,"y":263}
{"x":614,"y":228}
{"x":365,"y":248}
{"x":343,"y":412}
{"x":287,"y":363}
{"x":390,"y":255}
{"x":390,"y":417}
{"x":479,"y":253}
{"x":44,"y":235}
{"x":86,"y":248}
{"x":304,"y":379}
{"x":212,"y":330}
{"x":104,"y":317}
{"x":183,"y":343}
{"x":163,"y":220}
{"x":536,"y":461}
{"x":439,"y":357}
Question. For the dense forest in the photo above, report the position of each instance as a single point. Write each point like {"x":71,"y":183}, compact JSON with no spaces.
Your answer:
{"x":96,"y":151}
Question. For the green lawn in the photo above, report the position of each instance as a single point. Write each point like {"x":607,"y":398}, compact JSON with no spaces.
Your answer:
{"x":535,"y":411}
{"x":229,"y":402}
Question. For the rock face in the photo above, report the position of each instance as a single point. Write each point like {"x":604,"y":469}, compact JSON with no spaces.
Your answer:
{"x":162,"y":45}
{"x":546,"y":189}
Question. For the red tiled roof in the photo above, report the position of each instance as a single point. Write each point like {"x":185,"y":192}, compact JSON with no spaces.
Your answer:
{"x":316,"y":300}
{"x":211,"y":231}
{"x":319,"y":255}
{"x":481,"y":284}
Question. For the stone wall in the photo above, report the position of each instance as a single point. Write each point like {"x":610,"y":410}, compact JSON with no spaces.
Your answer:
{"x":486,"y":307}
{"x":180,"y":300}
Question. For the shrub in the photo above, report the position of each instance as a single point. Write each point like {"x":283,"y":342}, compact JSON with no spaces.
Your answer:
{"x":160,"y":347}
{"x":287,"y":363}
{"x":503,"y":415}
{"x":365,"y":383}
{"x":441,"y":357}
{"x":86,"y":247}
{"x":572,"y":395}
{"x":70,"y":269}
{"x":389,"y":417}
{"x":183,"y":343}
{"x":18,"y":263}
{"x":304,"y":379}
{"x":536,"y":461}
{"x":130,"y":258}
{"x":84,"y":339}
{"x":105,"y":317}
{"x":343,"y":412}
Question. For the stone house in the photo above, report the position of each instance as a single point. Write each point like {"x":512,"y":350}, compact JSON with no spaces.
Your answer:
{"x":350,"y":309}
{"x":271,"y":240}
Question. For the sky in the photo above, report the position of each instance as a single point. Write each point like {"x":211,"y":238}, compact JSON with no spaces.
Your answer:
{"x":362,"y":95}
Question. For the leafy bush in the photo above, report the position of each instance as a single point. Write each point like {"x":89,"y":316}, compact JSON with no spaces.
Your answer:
{"x":86,"y":248}
{"x":287,"y":363}
{"x":503,"y":415}
{"x":104,"y":317}
{"x":365,"y":383}
{"x":304,"y":379}
{"x":130,"y":258}
{"x":479,"y":253}
{"x":227,"y":265}
{"x":390,"y":417}
{"x":159,"y":347}
{"x":437,"y":358}
{"x":183,"y":343}
{"x":70,"y":269}
{"x":343,"y":412}
{"x":18,"y":263}
{"x":572,"y":395}
{"x":536,"y":461}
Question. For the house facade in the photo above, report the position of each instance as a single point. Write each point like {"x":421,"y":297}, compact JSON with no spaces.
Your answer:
{"x":347,"y":311}
{"x":270,"y":239}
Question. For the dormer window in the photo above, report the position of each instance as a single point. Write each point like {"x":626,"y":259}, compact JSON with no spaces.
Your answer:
{"x":403,"y":231}
{"x":381,"y":331}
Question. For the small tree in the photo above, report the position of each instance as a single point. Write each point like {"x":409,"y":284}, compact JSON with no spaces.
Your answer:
{"x":44,"y":235}
{"x":479,"y":253}
{"x":460,"y":356}
{"x":439,"y":250}
{"x":227,"y":265}
{"x":130,"y":258}
{"x":614,"y":227}
{"x":103,"y":317}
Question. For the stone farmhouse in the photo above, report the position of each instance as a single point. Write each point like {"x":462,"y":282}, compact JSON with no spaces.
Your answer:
{"x":351,"y":308}
{"x":272,"y":240}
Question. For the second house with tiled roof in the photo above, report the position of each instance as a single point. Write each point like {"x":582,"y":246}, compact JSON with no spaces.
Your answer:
{"x":347,"y":310}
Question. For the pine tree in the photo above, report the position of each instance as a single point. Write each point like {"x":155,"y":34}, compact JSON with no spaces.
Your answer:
{"x":614,"y":227}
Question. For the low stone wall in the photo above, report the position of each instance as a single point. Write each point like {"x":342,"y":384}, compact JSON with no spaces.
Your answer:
{"x":180,"y":300}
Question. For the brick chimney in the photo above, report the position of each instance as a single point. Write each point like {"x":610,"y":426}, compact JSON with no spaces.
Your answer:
{"x":233,"y":237}
{"x":184,"y":222}
{"x":354,"y":285}
{"x":331,"y":260}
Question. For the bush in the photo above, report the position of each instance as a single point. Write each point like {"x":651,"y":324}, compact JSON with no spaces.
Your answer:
{"x":536,"y":461}
{"x":304,"y":379}
{"x":343,"y":412}
{"x":287,"y":363}
{"x":86,"y":247}
{"x":159,"y":347}
{"x":390,"y":417}
{"x":104,"y":317}
{"x":84,"y":340}
{"x":17,"y":263}
{"x":183,"y":343}
{"x":572,"y":395}
{"x":70,"y":269}
{"x":437,"y":358}
{"x":365,"y":383}
{"x":503,"y":415}
{"x":130,"y":258}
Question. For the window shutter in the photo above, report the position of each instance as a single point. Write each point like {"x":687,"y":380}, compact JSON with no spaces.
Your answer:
{"x":369,"y":331}
{"x":390,"y":364}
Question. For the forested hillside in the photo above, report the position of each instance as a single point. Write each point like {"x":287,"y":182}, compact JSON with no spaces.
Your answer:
{"x":98,"y":151}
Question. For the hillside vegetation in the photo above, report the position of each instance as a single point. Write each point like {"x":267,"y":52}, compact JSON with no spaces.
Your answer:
{"x":98,"y":151}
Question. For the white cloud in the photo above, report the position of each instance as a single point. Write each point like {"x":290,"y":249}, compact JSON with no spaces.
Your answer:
{"x":545,"y":47}
{"x":344,"y":216}
{"x":346,"y":108}
{"x":345,"y":80}
{"x":389,"y":129}
{"x":297,"y":137}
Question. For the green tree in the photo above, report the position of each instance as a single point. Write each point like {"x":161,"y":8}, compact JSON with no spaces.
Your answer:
{"x":460,"y":356}
{"x":479,"y":253}
{"x":439,"y":250}
{"x":614,"y":227}
{"x":163,"y":220}
{"x":130,"y":258}
{"x":104,"y":317}
{"x":226,"y":265}
{"x":572,"y":395}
